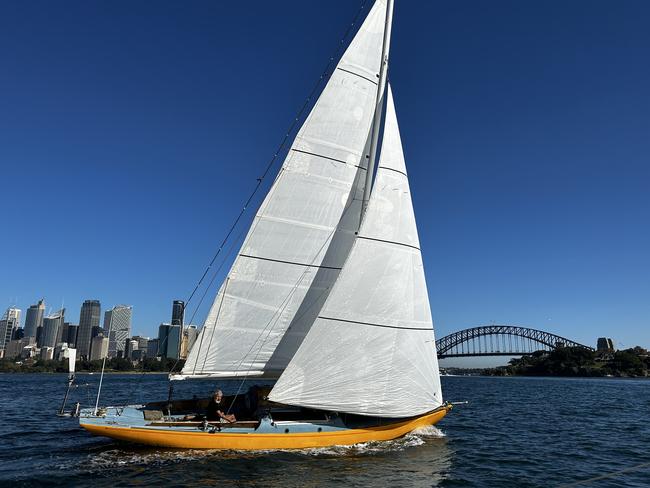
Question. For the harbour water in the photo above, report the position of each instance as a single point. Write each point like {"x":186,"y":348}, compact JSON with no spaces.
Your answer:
{"x":523,"y":432}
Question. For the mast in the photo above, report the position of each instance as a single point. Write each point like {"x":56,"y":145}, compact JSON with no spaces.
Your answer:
{"x":379,"y":103}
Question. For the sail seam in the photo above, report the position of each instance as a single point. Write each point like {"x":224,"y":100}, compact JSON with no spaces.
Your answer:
{"x":360,"y":76}
{"x":375,"y":325}
{"x":389,"y":242}
{"x":288,"y":262}
{"x":327,"y":157}
{"x":393,"y":169}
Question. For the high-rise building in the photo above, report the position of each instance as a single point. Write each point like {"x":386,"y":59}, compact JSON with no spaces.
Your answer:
{"x":9,"y":322}
{"x":189,"y":338}
{"x":169,"y":338}
{"x":34,"y":318}
{"x":117,"y":327}
{"x":71,"y":339}
{"x":142,"y":342}
{"x":52,"y":325}
{"x":130,"y":346}
{"x":152,"y":348}
{"x":178,"y":312}
{"x":88,"y":318}
{"x":99,"y":348}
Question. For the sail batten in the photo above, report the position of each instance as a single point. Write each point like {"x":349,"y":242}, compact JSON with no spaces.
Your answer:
{"x":371,"y":350}
{"x":303,"y":230}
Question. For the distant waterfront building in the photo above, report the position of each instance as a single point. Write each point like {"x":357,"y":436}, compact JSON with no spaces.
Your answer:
{"x":118,"y":321}
{"x":71,"y":338}
{"x":34,"y":318}
{"x":47,"y":353}
{"x":169,"y":338}
{"x":88,"y":318}
{"x":178,"y":312}
{"x":15,"y":348}
{"x":190,"y":334}
{"x":130,"y":346}
{"x":52,"y":325}
{"x":142,"y":342}
{"x":152,"y":348}
{"x":605,"y":344}
{"x":10,"y":321}
{"x":96,"y":331}
{"x":99,"y":348}
{"x":139,"y":354}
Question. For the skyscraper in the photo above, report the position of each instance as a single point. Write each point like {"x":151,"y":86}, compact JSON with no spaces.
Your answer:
{"x":10,"y":321}
{"x":88,"y":318}
{"x":169,"y":338}
{"x":52,"y":327}
{"x":117,"y":320}
{"x":99,"y":348}
{"x":178,"y":312}
{"x":71,"y":339}
{"x":34,"y":318}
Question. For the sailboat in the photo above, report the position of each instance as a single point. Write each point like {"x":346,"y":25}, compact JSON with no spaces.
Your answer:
{"x":327,"y":296}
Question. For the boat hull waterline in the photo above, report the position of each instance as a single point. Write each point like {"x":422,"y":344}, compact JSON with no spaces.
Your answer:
{"x":170,"y":437}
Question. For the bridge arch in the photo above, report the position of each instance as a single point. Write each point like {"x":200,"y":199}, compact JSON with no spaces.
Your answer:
{"x":500,"y":340}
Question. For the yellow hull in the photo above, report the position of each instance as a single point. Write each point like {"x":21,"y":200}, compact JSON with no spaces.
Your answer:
{"x":253,"y":441}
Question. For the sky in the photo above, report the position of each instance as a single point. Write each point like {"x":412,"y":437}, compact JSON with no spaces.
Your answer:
{"x":131,"y":134}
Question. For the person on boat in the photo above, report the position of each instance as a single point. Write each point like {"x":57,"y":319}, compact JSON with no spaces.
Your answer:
{"x":214,"y":411}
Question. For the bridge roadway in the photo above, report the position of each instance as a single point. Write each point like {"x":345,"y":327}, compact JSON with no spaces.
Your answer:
{"x":500,"y":340}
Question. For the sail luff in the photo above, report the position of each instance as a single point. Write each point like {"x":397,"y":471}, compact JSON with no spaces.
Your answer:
{"x":372,"y":349}
{"x":303,"y":230}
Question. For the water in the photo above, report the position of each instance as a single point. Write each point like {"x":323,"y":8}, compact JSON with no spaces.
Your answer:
{"x":522,"y":432}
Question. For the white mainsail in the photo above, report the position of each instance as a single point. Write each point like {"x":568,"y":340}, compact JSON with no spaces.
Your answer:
{"x":372,"y":351}
{"x":303,"y":230}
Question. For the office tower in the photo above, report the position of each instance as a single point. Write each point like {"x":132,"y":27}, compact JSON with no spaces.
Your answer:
{"x":189,"y":338}
{"x":71,"y":338}
{"x":169,"y":338}
{"x":19,"y":333}
{"x":152,"y":348}
{"x":142,"y":342}
{"x":52,"y":325}
{"x":117,"y":320}
{"x":15,"y":348}
{"x":98,"y":348}
{"x":34,"y":318}
{"x":178,"y":312}
{"x":9,"y":322}
{"x":88,"y":318}
{"x":130,"y":346}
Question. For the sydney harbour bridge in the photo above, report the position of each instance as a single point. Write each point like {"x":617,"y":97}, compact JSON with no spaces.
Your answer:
{"x":500,"y":340}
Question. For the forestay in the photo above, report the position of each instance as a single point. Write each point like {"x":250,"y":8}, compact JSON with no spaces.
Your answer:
{"x":372,"y":349}
{"x":303,"y":231}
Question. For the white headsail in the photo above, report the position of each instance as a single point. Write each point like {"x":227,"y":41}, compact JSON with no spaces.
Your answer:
{"x":372,"y":349}
{"x":303,"y":230}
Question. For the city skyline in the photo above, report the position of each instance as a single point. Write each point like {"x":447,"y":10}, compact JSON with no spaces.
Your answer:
{"x":527,"y":151}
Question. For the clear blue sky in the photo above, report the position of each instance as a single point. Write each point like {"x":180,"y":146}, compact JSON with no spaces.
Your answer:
{"x":131,"y":133}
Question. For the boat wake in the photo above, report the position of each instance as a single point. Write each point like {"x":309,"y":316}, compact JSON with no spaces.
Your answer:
{"x":134,"y":456}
